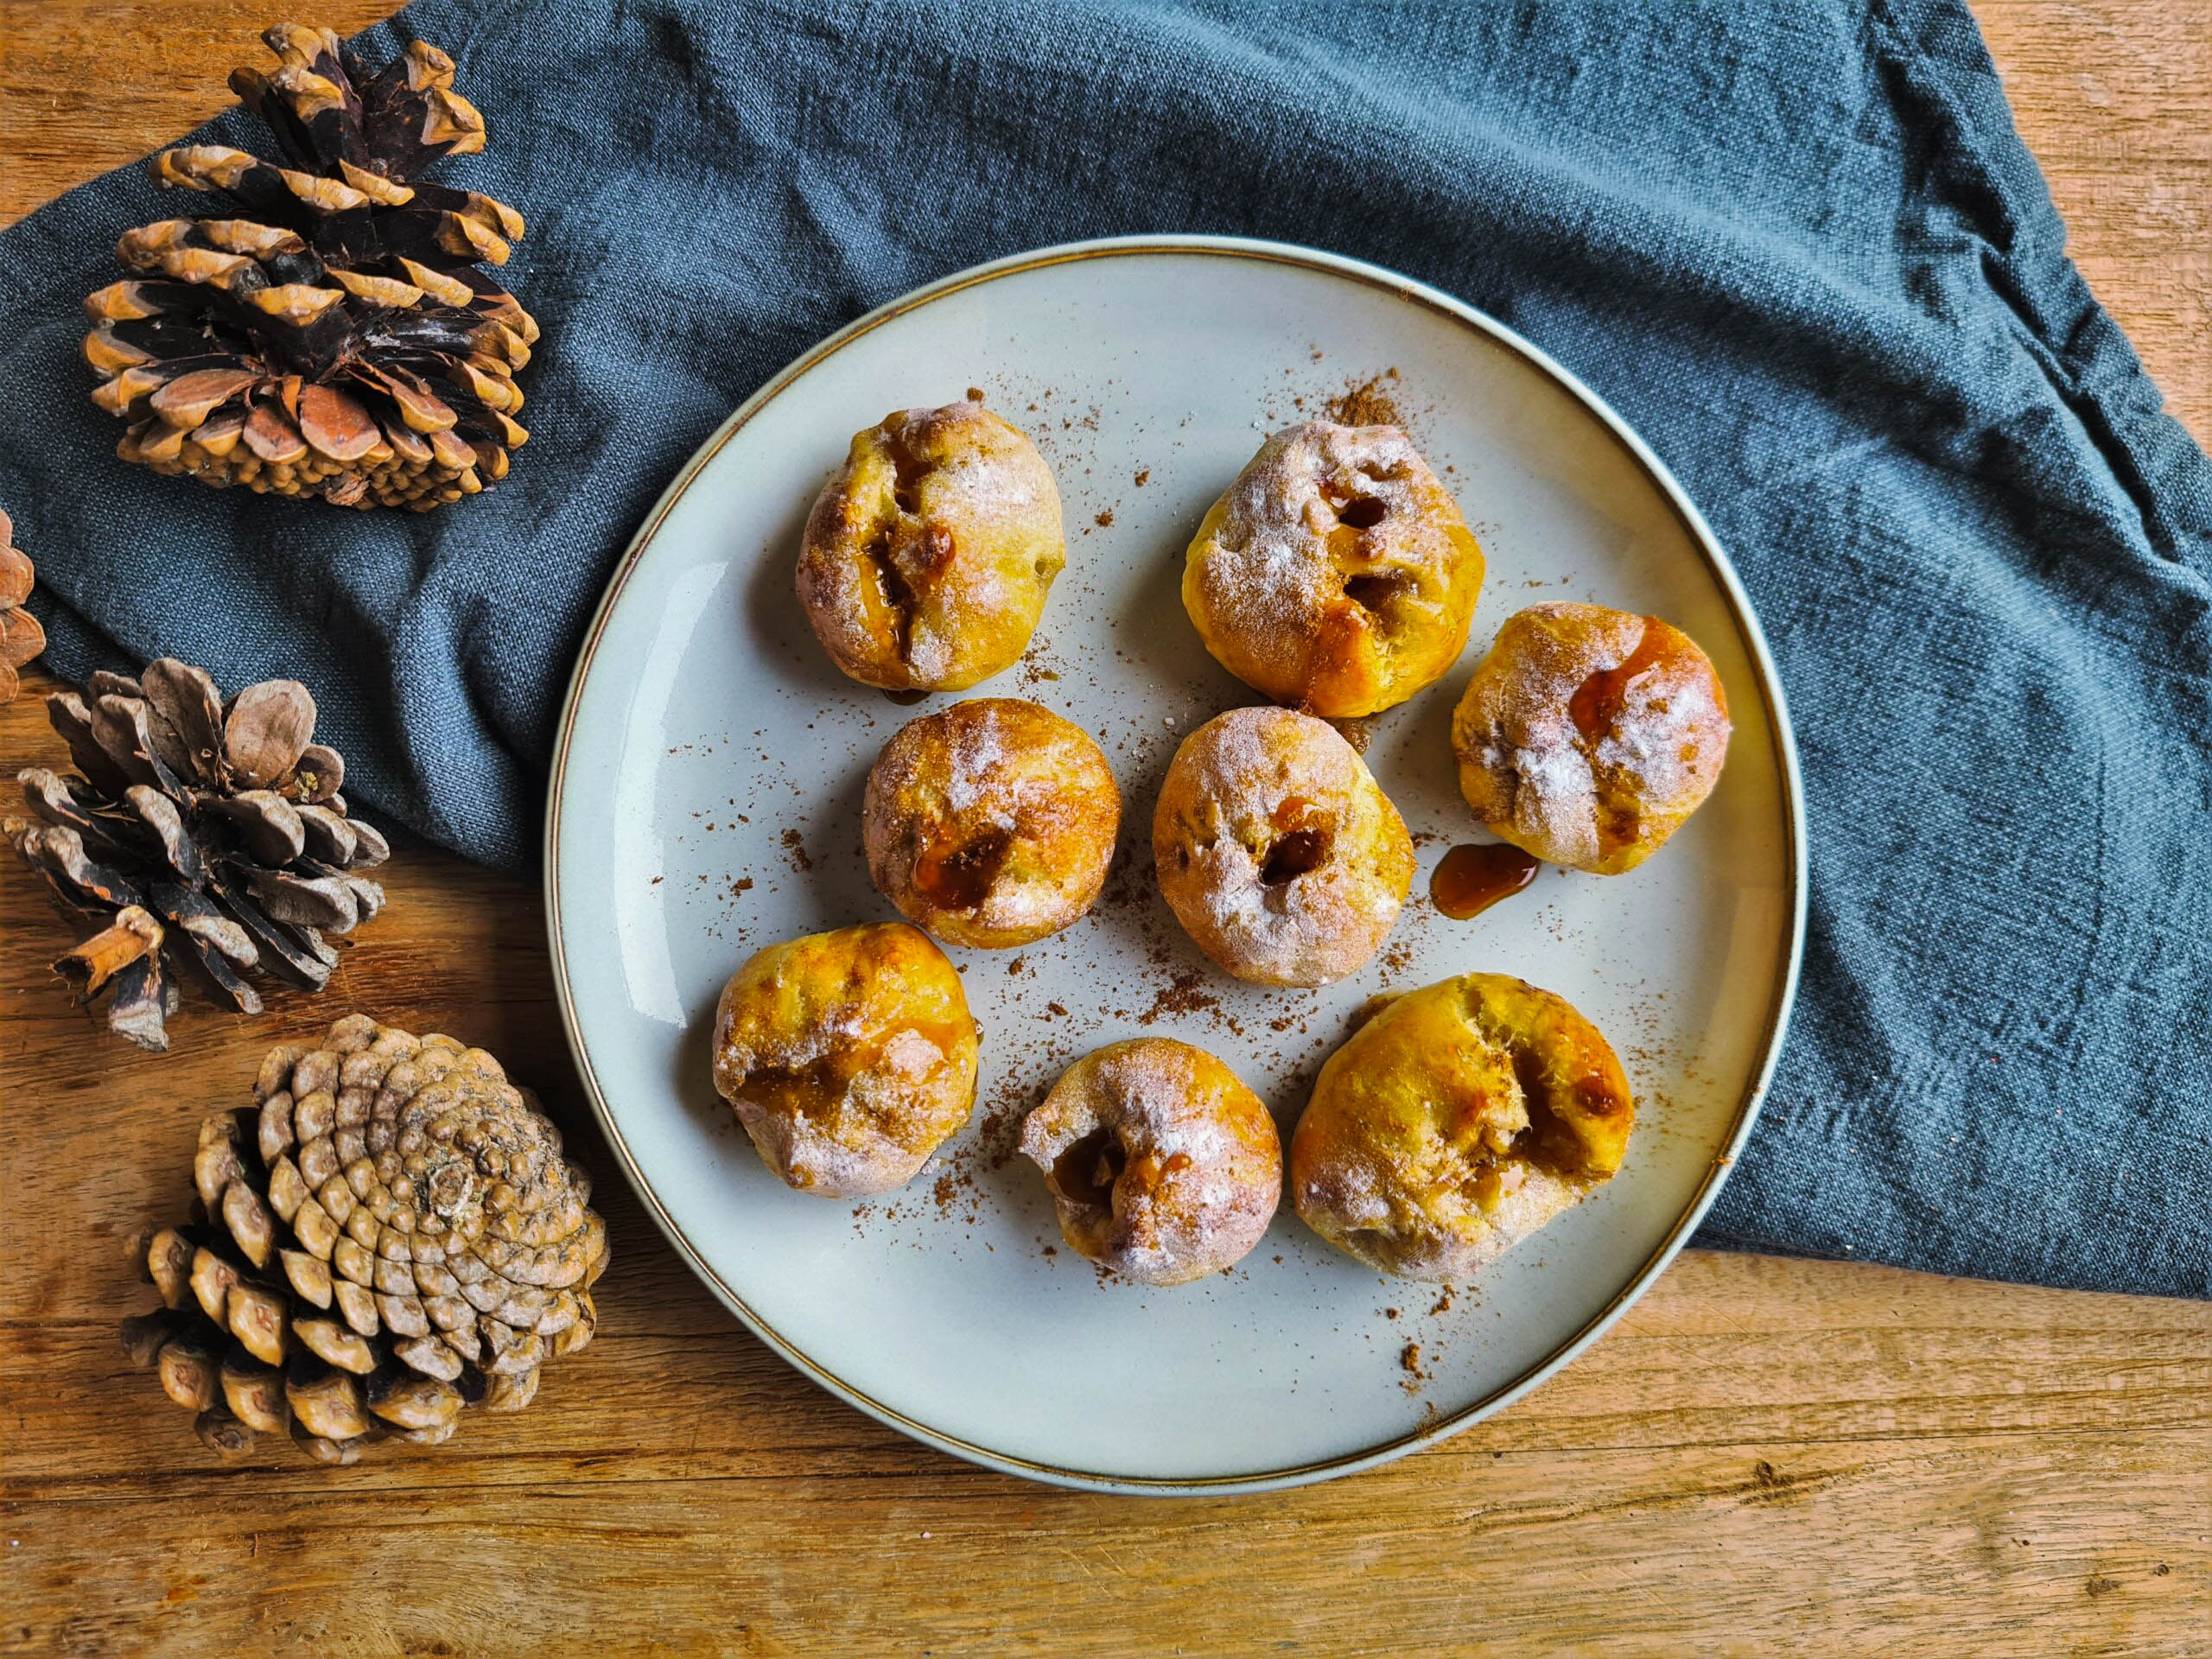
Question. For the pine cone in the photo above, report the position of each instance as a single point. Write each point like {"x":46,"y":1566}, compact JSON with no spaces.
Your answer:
{"x":331,"y":334}
{"x":393,"y":1235}
{"x":21,"y":637}
{"x":203,"y":835}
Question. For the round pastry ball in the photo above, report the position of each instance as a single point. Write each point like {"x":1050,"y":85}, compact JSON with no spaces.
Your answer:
{"x":1162,"y":1165}
{"x":1336,"y":575}
{"x":929,"y":553}
{"x":1587,"y":735}
{"x":1455,"y":1122}
{"x":848,"y":1056}
{"x":990,"y":823}
{"x":1277,"y":850}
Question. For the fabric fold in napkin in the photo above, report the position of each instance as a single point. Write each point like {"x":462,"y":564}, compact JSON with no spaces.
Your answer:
{"x":1798,"y":246}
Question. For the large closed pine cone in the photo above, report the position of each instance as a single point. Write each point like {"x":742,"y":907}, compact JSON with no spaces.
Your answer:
{"x":21,"y":637}
{"x":202,"y":834}
{"x":329,"y":334}
{"x":391,"y":1235}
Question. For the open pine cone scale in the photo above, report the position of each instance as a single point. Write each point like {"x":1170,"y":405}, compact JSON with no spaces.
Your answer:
{"x":21,"y":637}
{"x":200,"y":833}
{"x":336,"y":339}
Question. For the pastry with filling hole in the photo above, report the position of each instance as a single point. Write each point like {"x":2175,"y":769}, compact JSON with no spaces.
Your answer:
{"x":1336,"y":575}
{"x":848,"y":1056}
{"x":990,"y":823}
{"x":1276,"y":848}
{"x":929,"y":553}
{"x":1163,"y":1166}
{"x":1458,"y":1120}
{"x":1588,"y":735}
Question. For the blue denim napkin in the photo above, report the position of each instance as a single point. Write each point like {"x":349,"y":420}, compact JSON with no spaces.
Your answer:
{"x":1799,"y":247}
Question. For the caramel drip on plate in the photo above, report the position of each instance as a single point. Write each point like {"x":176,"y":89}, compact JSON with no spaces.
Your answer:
{"x":1468,"y":879}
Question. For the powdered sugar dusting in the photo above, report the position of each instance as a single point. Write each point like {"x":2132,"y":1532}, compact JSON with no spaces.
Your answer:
{"x":992,"y":770}
{"x":928,"y":555}
{"x":1238,"y":786}
{"x":1535,"y":776}
{"x":1321,"y":506}
{"x":848,"y":1057}
{"x":1202,"y":1166}
{"x":1415,"y":1154}
{"x":985,"y":485}
{"x":975,"y":768}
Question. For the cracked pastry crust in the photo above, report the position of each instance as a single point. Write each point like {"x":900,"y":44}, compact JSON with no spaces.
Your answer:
{"x":1588,"y":735}
{"x":1163,"y":1166}
{"x":1458,"y":1120}
{"x":1336,"y":575}
{"x":990,"y":823}
{"x":848,"y":1056}
{"x":1276,"y":848}
{"x":929,"y":553}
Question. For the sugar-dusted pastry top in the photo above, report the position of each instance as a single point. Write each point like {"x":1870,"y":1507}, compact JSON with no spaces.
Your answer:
{"x":1336,"y":575}
{"x":928,"y":555}
{"x":1456,"y":1122}
{"x":1162,"y":1165}
{"x":1276,"y":848}
{"x":990,"y":823}
{"x":1588,"y":735}
{"x":848,"y":1056}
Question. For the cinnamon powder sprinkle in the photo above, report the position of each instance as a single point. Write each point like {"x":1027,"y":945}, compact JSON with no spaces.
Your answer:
{"x":1184,"y":994}
{"x":1410,"y":1361}
{"x":1365,"y":403}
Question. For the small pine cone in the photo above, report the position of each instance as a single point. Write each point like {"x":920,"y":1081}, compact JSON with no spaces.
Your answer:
{"x":389,"y":1235}
{"x":204,"y":835}
{"x":21,"y":637}
{"x":326,"y":334}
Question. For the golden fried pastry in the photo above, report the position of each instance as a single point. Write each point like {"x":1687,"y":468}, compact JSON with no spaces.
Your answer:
{"x":1588,"y":735}
{"x":848,"y":1056}
{"x":990,"y":823}
{"x":1454,"y":1124}
{"x":929,"y":553}
{"x":1336,"y":575}
{"x":1163,"y":1167}
{"x":1277,"y":850}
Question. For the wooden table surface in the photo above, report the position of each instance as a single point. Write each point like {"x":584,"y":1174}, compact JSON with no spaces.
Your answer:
{"x":1764,"y":1455}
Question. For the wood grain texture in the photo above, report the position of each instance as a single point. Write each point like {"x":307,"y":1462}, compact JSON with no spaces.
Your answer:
{"x":2114,"y":99}
{"x":1765,"y":1456}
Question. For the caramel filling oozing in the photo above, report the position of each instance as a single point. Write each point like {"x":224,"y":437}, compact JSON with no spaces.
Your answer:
{"x":959,"y":875}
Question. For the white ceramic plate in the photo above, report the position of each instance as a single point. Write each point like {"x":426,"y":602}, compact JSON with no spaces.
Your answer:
{"x":706,"y":802}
